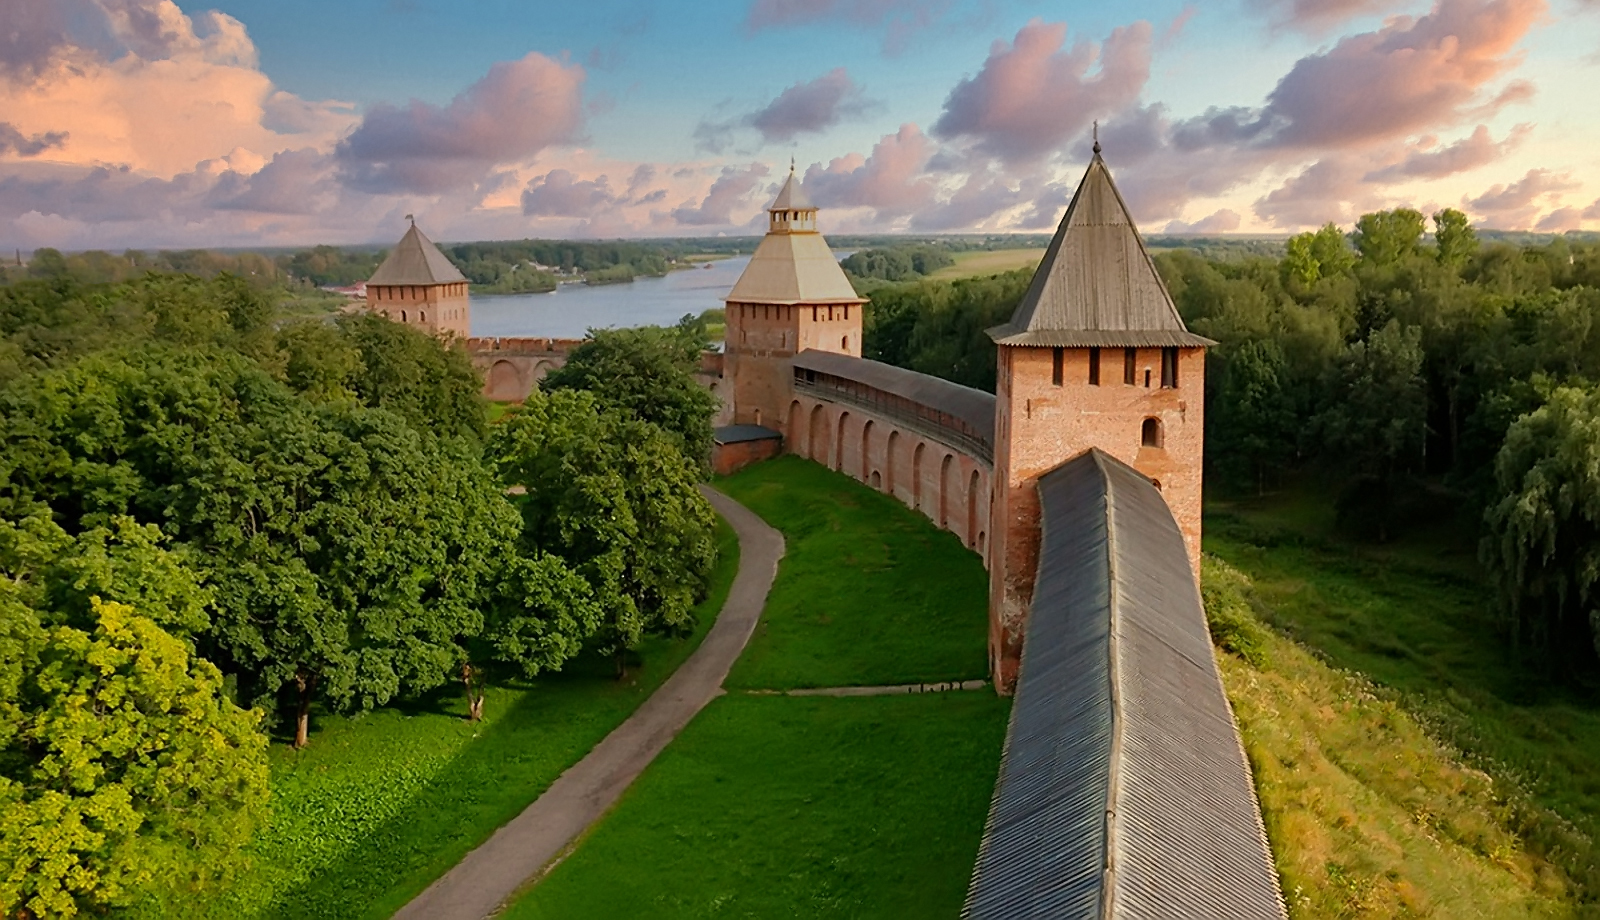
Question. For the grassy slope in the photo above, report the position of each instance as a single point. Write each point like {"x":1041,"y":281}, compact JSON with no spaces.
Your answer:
{"x":783,"y":806}
{"x":1368,"y":815}
{"x":1415,"y":617}
{"x":868,"y":593}
{"x":379,"y":806}
{"x":988,"y":262}
{"x":795,"y":807}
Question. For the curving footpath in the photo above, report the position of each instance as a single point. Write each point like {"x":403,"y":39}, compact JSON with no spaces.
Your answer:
{"x":489,"y":875}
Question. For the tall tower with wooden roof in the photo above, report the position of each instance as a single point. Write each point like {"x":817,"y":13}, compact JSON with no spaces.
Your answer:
{"x":417,"y":285}
{"x":1094,"y":356}
{"x":792,"y":296}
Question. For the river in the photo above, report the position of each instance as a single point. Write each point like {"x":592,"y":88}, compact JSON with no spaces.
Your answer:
{"x":575,"y":308}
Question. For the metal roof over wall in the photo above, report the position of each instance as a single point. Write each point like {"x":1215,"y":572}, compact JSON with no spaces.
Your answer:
{"x":1123,"y":790}
{"x":974,"y":407}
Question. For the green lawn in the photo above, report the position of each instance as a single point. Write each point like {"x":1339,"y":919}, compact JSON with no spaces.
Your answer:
{"x":1417,"y":618}
{"x":795,"y":807}
{"x":380,"y":805}
{"x":870,"y":592}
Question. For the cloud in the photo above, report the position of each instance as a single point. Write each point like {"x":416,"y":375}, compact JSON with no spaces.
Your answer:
{"x":903,"y":18}
{"x":1331,"y":189}
{"x":1225,"y":220}
{"x":891,"y":180}
{"x":806,"y":107}
{"x":559,"y":194}
{"x":982,"y":196}
{"x":14,"y":141}
{"x":292,"y":182}
{"x":1033,"y":95}
{"x":732,"y":188}
{"x":1514,"y":206}
{"x":1317,"y":16}
{"x":1560,"y":221}
{"x":1592,"y":212}
{"x":1469,"y":153}
{"x":32,"y":35}
{"x":518,"y":109}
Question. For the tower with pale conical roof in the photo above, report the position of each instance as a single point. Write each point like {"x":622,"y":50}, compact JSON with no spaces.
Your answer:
{"x":792,"y":296}
{"x":1095,"y":355}
{"x":419,"y":286}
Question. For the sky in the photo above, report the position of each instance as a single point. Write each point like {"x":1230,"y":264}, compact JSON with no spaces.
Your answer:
{"x":155,"y":124}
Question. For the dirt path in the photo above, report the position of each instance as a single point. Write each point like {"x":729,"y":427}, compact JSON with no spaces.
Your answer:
{"x":487,"y":876}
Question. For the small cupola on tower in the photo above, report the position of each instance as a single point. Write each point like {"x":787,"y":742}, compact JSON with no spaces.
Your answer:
{"x":791,"y":211}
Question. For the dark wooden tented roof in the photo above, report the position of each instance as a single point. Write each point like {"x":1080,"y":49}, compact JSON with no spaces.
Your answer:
{"x":974,"y":407}
{"x":1123,"y":790}
{"x":1096,"y":284}
{"x":415,"y":260}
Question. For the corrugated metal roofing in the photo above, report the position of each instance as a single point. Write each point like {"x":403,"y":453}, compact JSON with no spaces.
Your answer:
{"x":790,"y":268}
{"x":415,"y":260}
{"x":1123,"y":791}
{"x":736,"y":434}
{"x":1095,"y":275}
{"x":974,"y":407}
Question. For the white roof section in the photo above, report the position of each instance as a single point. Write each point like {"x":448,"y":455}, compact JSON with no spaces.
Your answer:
{"x":793,"y":268}
{"x":415,"y":260}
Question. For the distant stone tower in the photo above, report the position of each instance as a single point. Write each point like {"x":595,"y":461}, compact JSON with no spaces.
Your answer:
{"x":418,"y":286}
{"x":1094,"y":356}
{"x":792,"y":296}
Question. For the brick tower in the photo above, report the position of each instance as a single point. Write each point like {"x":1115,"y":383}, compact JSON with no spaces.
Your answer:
{"x":792,"y":296}
{"x":1094,"y":356}
{"x":418,"y":286}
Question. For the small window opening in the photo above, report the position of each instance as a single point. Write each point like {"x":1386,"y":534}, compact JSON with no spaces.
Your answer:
{"x":1169,"y":367}
{"x":758,"y":416}
{"x":1057,"y":365}
{"x":422,"y":316}
{"x":1130,"y":366}
{"x":1094,"y":367}
{"x":1150,"y":433}
{"x":1147,"y":376}
{"x":402,"y":316}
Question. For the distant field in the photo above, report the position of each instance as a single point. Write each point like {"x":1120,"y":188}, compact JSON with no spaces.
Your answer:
{"x":988,"y":262}
{"x":1369,"y":811}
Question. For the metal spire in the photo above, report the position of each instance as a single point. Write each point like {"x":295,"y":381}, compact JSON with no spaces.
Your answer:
{"x":1097,"y":138}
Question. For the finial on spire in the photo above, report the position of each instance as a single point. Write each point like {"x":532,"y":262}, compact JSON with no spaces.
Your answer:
{"x":1097,"y":138}
{"x":412,"y":218}
{"x":791,"y":164}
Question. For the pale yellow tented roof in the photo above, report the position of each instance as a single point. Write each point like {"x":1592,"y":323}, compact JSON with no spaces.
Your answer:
{"x":793,"y":268}
{"x":791,"y":197}
{"x":415,"y":260}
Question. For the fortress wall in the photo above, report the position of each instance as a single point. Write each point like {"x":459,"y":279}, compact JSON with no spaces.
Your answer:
{"x":943,"y":482}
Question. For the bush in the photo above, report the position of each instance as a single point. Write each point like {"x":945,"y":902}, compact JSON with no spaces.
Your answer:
{"x":1233,"y":624}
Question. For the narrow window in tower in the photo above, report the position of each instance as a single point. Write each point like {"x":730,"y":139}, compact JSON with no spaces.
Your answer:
{"x":1058,"y":358}
{"x":1094,"y":367}
{"x":1130,"y":366}
{"x":1169,"y":367}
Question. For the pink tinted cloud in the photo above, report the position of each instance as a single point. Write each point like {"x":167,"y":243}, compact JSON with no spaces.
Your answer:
{"x":1331,"y":189}
{"x":1035,"y":94}
{"x":809,"y":107}
{"x":1515,"y":205}
{"x":518,"y":109}
{"x":892,"y":180}
{"x":732,"y":189}
{"x":1478,"y":149}
{"x":14,"y":141}
{"x":1317,"y":16}
{"x":1592,"y":212}
{"x":559,"y":193}
{"x":1224,"y":220}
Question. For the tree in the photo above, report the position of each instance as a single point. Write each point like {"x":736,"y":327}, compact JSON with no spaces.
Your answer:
{"x":1542,"y":541}
{"x":1299,"y":262}
{"x":1454,"y":237}
{"x":650,"y":373}
{"x":1386,"y":237}
{"x":432,"y":386}
{"x":615,"y":499}
{"x":1253,"y":430}
{"x":1332,"y":250}
{"x":123,"y":768}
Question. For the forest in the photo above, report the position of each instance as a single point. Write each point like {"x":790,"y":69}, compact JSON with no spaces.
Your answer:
{"x":1426,"y":372}
{"x":217,"y":521}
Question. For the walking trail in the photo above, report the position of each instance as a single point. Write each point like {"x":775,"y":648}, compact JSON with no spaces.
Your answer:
{"x":482,"y":882}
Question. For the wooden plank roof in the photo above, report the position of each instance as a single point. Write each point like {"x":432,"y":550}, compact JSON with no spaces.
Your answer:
{"x":415,"y":260}
{"x":1123,"y":792}
{"x":1096,"y":284}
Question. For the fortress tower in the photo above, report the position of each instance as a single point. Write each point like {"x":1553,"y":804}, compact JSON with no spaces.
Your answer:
{"x":418,"y":286}
{"x":792,"y":296}
{"x":1094,"y":356}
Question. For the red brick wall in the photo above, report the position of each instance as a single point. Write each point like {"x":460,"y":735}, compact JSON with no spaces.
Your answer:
{"x":761,"y":342}
{"x":1041,"y":425}
{"x":433,"y":308}
{"x":730,"y":458}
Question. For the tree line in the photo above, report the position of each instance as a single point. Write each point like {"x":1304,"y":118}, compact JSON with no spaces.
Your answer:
{"x":214,"y":520}
{"x":1420,"y":368}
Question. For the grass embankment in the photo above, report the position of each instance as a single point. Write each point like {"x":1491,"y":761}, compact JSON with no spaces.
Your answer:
{"x":380,"y":805}
{"x":775,"y":806}
{"x":870,"y":592}
{"x":1453,"y":784}
{"x":987,"y":262}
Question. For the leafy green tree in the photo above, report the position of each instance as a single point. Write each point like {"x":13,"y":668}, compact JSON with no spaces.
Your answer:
{"x":1386,"y":237}
{"x":410,"y":373}
{"x":1454,"y":238}
{"x":650,"y":373}
{"x":122,"y":767}
{"x":1542,"y":541}
{"x":1254,"y":431}
{"x":1299,"y":262}
{"x":320,"y":362}
{"x":1332,"y":251}
{"x":614,"y":498}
